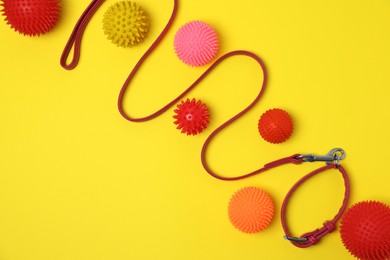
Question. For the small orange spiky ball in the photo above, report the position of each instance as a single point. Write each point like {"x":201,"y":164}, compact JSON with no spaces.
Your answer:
{"x":125,"y":24}
{"x":31,"y":17}
{"x":251,"y":210}
{"x":192,"y":117}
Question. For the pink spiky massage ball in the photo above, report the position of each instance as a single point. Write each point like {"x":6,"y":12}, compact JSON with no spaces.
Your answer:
{"x":196,"y":43}
{"x":31,"y":17}
{"x":365,"y":230}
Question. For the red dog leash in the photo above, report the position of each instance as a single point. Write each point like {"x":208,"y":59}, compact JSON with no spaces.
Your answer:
{"x":333,"y":158}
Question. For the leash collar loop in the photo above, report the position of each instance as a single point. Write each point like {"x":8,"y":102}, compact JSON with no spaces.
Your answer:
{"x":311,"y":238}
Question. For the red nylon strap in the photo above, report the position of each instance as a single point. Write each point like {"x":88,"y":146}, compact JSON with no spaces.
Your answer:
{"x":191,"y":87}
{"x":75,"y":39}
{"x":311,"y":238}
{"x":291,"y":159}
{"x":77,"y":35}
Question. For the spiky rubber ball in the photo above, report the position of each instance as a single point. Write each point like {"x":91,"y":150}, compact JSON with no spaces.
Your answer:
{"x":275,"y":126}
{"x":31,"y":17}
{"x":196,"y":43}
{"x":192,"y":116}
{"x":365,"y":230}
{"x":125,"y":24}
{"x":250,"y":210}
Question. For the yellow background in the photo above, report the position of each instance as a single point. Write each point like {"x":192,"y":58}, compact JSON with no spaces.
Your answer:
{"x":79,"y":182}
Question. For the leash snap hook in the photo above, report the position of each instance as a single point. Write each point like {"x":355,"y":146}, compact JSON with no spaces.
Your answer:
{"x":296,"y":239}
{"x":334,"y":156}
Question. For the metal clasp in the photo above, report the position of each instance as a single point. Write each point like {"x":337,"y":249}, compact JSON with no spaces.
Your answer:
{"x":333,"y":156}
{"x":296,"y":239}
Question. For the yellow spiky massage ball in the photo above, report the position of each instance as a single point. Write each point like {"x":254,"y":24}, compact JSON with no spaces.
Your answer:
{"x":125,"y":24}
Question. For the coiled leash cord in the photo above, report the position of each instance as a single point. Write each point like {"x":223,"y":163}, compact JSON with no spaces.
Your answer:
{"x":333,"y":158}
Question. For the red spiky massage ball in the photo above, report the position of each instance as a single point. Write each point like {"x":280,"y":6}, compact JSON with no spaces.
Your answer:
{"x":275,"y":126}
{"x":365,"y":230}
{"x":192,"y":117}
{"x":31,"y":17}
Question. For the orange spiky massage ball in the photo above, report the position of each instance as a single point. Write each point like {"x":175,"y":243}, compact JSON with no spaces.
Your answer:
{"x":275,"y":126}
{"x":31,"y":17}
{"x":125,"y":23}
{"x":250,"y":210}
